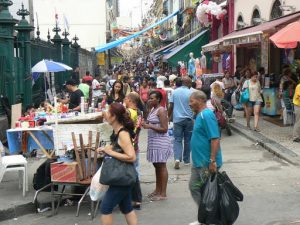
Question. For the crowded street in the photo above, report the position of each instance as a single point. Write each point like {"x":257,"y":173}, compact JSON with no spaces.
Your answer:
{"x":269,"y":184}
{"x":173,"y":112}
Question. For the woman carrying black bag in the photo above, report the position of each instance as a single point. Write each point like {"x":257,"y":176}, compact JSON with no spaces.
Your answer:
{"x":123,"y":127}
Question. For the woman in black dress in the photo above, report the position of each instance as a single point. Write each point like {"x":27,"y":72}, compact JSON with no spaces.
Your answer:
{"x":116,"y":94}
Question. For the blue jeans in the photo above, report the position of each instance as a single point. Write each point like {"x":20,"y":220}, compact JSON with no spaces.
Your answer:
{"x":182,"y":132}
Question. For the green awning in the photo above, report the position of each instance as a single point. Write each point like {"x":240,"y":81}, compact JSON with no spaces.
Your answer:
{"x":181,"y":53}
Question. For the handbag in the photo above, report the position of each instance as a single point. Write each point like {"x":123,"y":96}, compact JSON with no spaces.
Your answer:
{"x":219,"y":116}
{"x":245,"y":96}
{"x":115,"y":172}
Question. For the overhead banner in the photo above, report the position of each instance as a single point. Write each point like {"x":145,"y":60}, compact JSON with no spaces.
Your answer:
{"x":121,"y":41}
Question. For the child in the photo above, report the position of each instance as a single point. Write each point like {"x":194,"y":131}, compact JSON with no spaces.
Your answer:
{"x":132,"y":102}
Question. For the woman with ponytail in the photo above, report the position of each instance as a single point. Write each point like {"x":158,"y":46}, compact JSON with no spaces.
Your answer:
{"x":123,"y":133}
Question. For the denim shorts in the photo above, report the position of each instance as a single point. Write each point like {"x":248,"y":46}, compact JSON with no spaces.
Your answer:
{"x":252,"y":103}
{"x":117,"y":195}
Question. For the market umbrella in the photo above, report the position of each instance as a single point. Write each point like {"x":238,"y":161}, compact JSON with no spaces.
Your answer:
{"x":45,"y":66}
{"x":287,"y":37}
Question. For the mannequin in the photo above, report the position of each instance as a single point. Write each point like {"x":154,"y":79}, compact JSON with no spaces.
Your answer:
{"x":203,"y":62}
{"x":198,"y":68}
{"x":182,"y":69}
{"x":191,"y":68}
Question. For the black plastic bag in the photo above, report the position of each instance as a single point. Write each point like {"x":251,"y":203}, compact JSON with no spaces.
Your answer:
{"x":229,"y":208}
{"x":208,"y":212}
{"x":225,"y":180}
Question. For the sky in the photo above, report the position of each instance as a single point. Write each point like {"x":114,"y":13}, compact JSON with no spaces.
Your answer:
{"x":84,"y":17}
{"x":135,"y":8}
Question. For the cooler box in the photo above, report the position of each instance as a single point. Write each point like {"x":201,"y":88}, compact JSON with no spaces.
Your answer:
{"x":64,"y":172}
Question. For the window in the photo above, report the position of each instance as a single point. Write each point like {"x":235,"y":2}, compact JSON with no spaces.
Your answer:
{"x":256,"y":18}
{"x":240,"y":23}
{"x":276,"y":11}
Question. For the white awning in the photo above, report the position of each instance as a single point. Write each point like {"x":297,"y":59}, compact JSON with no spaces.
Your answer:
{"x":212,"y":46}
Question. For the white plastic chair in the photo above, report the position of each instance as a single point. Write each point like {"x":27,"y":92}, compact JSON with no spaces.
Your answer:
{"x":15,"y":163}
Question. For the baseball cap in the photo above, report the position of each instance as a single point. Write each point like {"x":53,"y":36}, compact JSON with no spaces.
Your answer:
{"x":71,"y":82}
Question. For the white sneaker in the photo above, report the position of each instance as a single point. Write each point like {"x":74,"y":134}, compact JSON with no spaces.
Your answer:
{"x":195,"y":223}
{"x":177,"y":162}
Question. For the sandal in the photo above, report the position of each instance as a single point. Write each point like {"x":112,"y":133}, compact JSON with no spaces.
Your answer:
{"x":158,"y":198}
{"x":151,"y":194}
{"x":136,"y":206}
{"x":257,"y":129}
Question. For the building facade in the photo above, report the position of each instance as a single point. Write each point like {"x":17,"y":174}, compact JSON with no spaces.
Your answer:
{"x":262,"y":11}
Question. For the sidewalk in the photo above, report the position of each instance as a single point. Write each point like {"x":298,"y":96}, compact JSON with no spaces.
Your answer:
{"x":16,"y":205}
{"x":272,"y":137}
{"x":13,"y":202}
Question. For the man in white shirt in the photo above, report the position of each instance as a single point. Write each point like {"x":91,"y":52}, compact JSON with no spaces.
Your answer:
{"x":96,"y":89}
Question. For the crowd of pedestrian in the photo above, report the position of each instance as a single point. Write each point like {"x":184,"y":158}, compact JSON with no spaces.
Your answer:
{"x":179,"y":114}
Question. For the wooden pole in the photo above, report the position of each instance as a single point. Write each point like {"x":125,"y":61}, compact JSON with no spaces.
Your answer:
{"x":95,"y":153}
{"x":89,"y":154}
{"x":77,"y":156}
{"x":39,"y":144}
{"x":82,"y":156}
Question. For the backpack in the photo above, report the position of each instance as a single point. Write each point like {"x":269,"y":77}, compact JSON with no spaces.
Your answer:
{"x":42,"y":177}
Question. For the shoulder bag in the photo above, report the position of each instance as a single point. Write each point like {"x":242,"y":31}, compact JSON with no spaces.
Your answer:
{"x":115,"y":172}
{"x":245,"y":95}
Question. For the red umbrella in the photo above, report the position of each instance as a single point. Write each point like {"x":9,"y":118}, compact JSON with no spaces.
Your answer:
{"x":287,"y":37}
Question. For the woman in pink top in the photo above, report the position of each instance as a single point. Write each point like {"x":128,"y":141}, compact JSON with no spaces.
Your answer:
{"x":144,"y":91}
{"x":144,"y":94}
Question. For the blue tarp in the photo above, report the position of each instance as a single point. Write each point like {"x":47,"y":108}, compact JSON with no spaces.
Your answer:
{"x":121,"y":41}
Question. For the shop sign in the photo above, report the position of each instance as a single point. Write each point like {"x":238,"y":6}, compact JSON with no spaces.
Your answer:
{"x":243,"y":40}
{"x":101,"y":58}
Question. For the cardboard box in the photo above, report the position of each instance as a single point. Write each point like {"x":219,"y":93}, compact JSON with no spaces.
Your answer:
{"x":64,"y":172}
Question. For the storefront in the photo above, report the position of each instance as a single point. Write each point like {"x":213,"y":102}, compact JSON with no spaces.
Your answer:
{"x":255,"y":40}
{"x":253,"y":49}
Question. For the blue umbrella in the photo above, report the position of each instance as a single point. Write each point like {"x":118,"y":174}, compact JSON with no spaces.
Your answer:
{"x":45,"y":66}
{"x":48,"y":66}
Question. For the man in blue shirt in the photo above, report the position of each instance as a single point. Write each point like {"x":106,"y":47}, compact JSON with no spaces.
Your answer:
{"x":205,"y":144}
{"x":182,"y":120}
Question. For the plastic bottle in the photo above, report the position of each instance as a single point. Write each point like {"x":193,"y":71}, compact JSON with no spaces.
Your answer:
{"x":82,"y":105}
